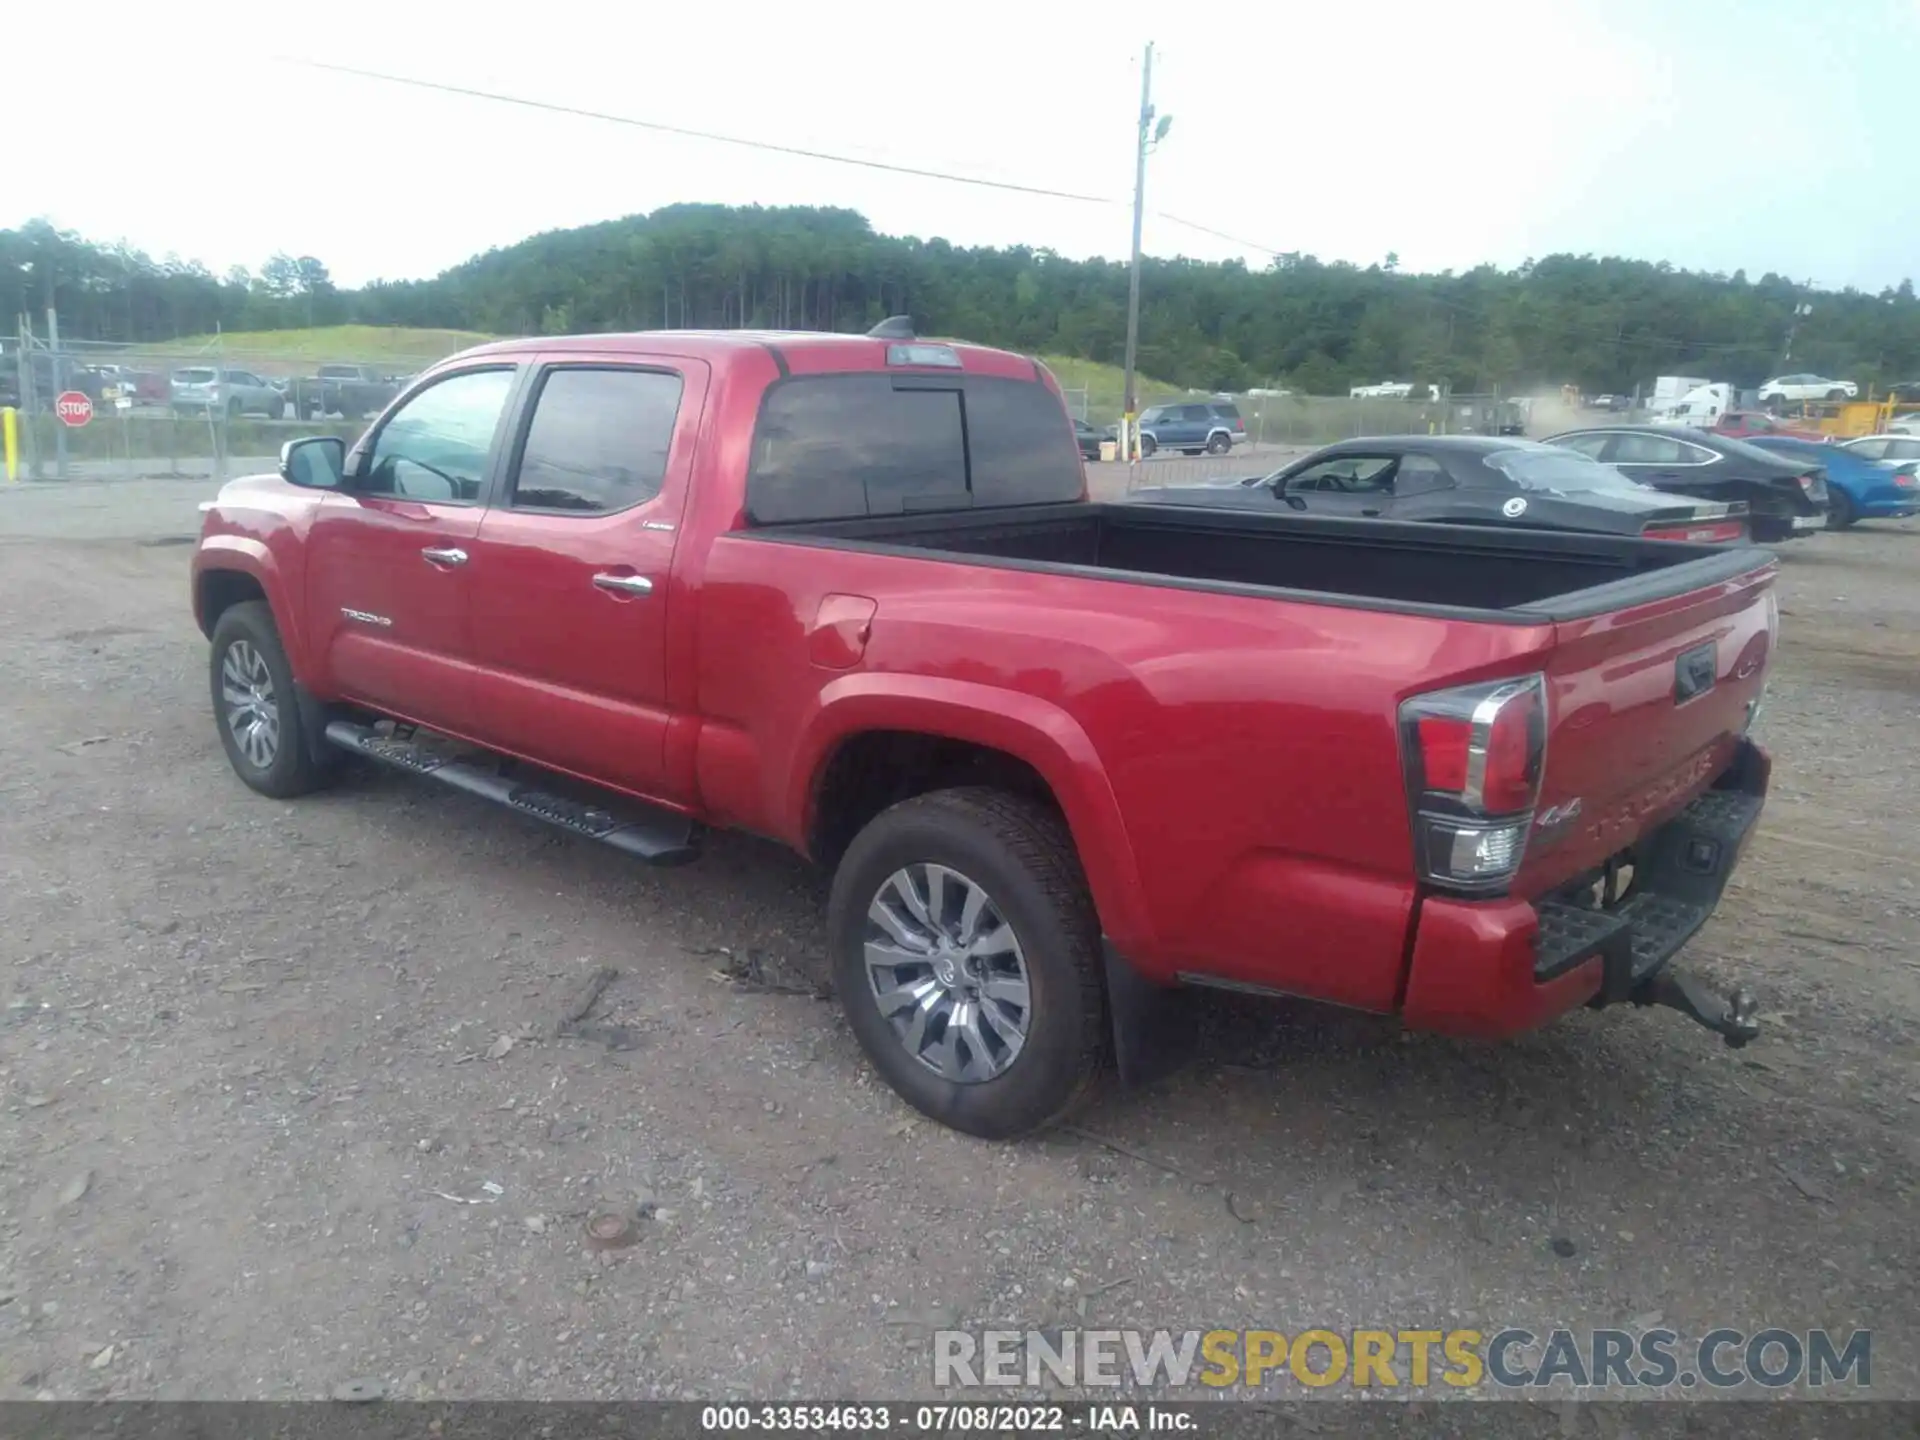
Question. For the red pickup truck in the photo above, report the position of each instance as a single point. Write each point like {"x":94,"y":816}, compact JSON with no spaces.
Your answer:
{"x":1063,"y":759}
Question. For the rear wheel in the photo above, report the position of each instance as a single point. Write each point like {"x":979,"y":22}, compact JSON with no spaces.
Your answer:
{"x":1147,"y":446}
{"x":1840,"y":509}
{"x":966,"y":953}
{"x":255,"y":707}
{"x":1219,"y":444}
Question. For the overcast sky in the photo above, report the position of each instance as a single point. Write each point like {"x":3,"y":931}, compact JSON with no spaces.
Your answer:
{"x":1715,"y":134}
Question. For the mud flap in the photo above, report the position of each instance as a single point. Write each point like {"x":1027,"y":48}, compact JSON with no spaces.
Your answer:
{"x":1154,"y":1029}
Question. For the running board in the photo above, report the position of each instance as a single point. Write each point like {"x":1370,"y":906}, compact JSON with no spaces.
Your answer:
{"x":659,"y":837}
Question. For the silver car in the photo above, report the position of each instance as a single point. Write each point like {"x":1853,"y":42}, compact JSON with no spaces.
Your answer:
{"x":206,"y":390}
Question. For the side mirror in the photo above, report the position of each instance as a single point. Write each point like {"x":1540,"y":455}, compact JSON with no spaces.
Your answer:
{"x":316,"y":463}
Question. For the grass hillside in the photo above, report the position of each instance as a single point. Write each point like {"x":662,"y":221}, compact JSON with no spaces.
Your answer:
{"x":371,"y":343}
{"x":1105,"y":386}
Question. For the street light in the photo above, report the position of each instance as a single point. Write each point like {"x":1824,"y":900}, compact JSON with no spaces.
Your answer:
{"x":1149,"y":136}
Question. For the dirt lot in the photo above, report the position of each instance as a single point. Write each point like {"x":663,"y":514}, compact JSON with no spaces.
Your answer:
{"x":254,"y":1061}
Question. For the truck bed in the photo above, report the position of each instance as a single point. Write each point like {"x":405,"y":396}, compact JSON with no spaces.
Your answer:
{"x":1520,"y":576}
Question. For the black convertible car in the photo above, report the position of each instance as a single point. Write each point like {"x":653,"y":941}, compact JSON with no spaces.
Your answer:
{"x":1785,"y":496}
{"x":1468,"y":479}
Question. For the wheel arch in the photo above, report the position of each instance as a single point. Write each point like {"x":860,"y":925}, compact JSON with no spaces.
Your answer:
{"x":876,"y":740}
{"x":230,"y":570}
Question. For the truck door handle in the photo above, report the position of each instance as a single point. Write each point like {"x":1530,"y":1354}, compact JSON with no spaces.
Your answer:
{"x":435,"y":556}
{"x":625,"y":584}
{"x":1370,"y":512}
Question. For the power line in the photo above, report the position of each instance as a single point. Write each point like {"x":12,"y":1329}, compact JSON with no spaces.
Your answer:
{"x":773,"y":147}
{"x":663,"y":128}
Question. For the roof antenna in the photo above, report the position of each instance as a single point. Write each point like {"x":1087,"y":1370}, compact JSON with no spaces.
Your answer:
{"x":894,"y":327}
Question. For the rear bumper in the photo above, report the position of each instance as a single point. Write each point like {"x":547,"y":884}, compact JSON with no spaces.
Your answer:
{"x":1897,"y":505}
{"x":1496,"y":968}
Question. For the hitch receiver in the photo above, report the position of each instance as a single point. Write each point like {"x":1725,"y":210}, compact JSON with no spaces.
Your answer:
{"x":1729,"y":1016}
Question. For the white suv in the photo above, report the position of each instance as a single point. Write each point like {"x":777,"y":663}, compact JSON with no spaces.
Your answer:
{"x":1794,"y":388}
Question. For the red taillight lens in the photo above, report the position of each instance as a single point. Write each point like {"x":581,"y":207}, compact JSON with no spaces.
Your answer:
{"x":1443,"y":752}
{"x":1904,"y":479}
{"x":1717,"y":532}
{"x":1474,"y":757}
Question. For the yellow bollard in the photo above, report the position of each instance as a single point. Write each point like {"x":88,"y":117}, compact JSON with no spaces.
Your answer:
{"x":11,"y":426}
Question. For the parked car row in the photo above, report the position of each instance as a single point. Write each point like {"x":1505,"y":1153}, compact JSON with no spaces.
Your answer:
{"x":353,"y":392}
{"x":1654,"y":482}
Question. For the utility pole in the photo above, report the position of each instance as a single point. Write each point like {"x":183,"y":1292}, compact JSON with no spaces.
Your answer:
{"x":1129,"y":440}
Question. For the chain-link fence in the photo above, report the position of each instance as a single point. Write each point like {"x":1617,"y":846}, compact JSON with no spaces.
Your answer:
{"x":91,"y":409}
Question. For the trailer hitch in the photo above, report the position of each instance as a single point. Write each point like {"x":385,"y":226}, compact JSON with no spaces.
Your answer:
{"x":1729,"y":1016}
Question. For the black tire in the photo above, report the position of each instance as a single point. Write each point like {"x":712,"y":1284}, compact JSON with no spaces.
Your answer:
{"x":1776,"y":404}
{"x":236,"y":408}
{"x":1148,"y":445}
{"x":1218,"y":444}
{"x":291,"y":770}
{"x":1020,"y":853}
{"x":1836,"y":394}
{"x":1840,"y":511}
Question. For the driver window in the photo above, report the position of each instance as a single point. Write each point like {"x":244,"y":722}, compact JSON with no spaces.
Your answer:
{"x":1418,"y":474}
{"x":1346,"y":475}
{"x":436,"y":446}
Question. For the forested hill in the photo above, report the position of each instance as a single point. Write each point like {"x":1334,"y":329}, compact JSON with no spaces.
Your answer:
{"x":1603,"y":324}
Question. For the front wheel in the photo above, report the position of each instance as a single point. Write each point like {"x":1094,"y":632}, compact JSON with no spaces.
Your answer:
{"x":254,"y":705}
{"x":966,"y":953}
{"x":1840,"y":509}
{"x":1836,"y":394}
{"x":1776,"y":404}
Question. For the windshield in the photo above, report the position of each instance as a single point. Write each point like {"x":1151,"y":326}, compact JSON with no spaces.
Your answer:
{"x":1552,"y":470}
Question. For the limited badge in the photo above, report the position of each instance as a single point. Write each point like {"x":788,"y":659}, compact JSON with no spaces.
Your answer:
{"x":1513,"y":507}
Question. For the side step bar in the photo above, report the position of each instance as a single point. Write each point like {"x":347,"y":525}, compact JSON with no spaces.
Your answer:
{"x":659,"y":837}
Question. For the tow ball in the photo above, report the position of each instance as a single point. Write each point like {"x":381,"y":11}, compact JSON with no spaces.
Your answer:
{"x":1728,"y":1016}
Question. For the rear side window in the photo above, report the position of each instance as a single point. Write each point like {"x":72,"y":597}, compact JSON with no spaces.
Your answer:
{"x":598,"y":441}
{"x":1226,"y":412}
{"x":832,"y":447}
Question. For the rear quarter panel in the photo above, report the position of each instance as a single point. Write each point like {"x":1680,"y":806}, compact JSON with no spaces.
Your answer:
{"x":1228,"y":764}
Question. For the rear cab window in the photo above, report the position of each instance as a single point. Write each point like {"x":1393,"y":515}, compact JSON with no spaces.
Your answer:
{"x":836,"y":447}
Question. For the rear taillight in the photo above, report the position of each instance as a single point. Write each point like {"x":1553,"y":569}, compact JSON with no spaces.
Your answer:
{"x":1473,"y":758}
{"x":1716,"y":532}
{"x":1814,"y":484}
{"x":1904,"y":479}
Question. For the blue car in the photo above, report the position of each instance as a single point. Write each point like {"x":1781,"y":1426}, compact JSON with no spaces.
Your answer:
{"x":1858,"y":487}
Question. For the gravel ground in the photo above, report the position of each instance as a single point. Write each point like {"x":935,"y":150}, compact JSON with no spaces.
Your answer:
{"x":259,"y":1060}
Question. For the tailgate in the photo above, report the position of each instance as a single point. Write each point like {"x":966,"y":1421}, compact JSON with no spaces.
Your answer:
{"x":1644,"y":707}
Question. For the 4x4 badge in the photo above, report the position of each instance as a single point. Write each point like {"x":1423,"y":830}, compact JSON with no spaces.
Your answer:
{"x":1554,"y":816}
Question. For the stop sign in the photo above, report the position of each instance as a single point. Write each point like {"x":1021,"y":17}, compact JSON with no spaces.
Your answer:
{"x":73,"y":408}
